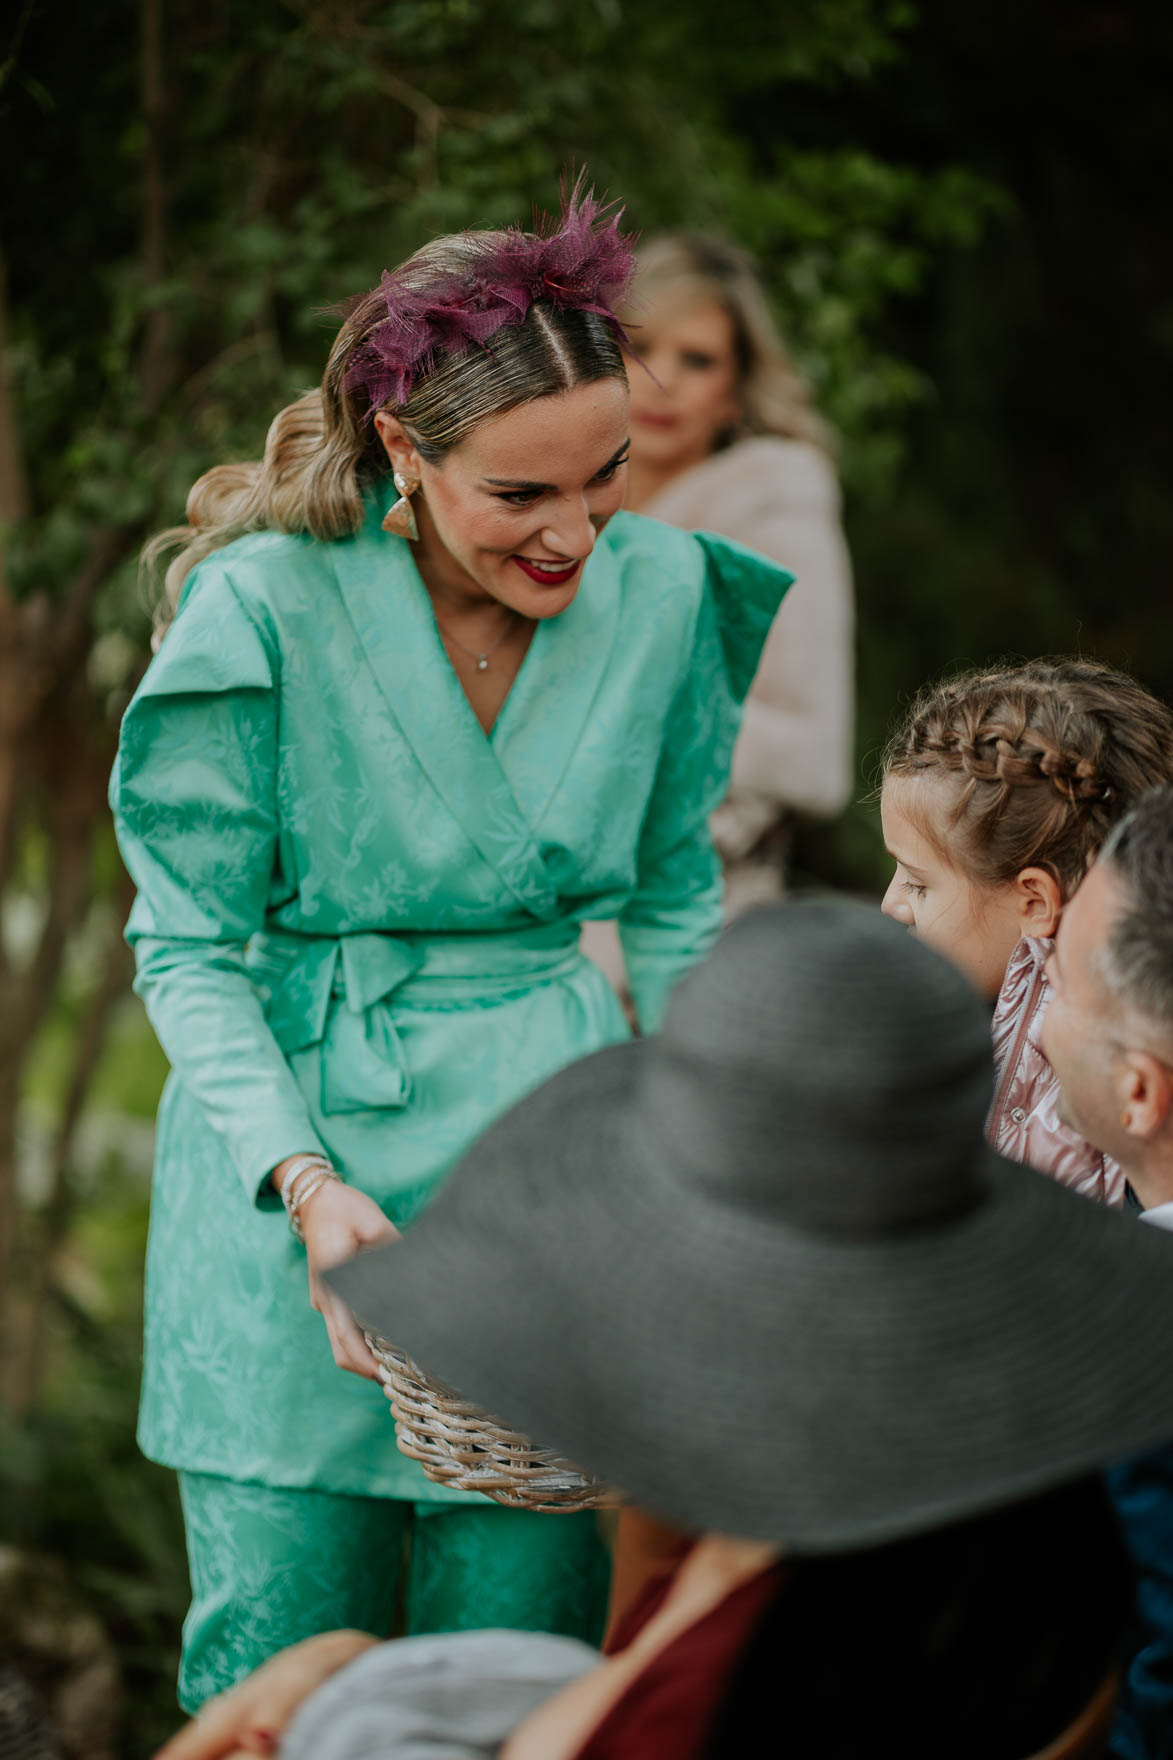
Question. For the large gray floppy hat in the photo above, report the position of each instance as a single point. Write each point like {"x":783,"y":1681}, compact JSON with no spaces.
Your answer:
{"x":762,"y":1272}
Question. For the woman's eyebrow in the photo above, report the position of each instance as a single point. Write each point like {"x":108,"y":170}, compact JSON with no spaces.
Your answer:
{"x":521,"y":483}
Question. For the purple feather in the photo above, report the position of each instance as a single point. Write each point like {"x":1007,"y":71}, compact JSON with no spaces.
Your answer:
{"x":580,"y":262}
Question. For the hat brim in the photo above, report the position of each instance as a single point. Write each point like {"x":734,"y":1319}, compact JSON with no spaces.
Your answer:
{"x":737,"y":1372}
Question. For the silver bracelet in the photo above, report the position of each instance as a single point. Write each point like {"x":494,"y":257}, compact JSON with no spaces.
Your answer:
{"x":295,"y":1168}
{"x":304,"y":1176}
{"x":305,"y":1192}
{"x":297,"y":1164}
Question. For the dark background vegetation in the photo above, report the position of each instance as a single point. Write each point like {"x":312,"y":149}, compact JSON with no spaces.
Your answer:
{"x":962,"y":213}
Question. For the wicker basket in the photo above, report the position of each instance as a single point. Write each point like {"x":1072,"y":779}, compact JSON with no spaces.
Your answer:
{"x":458,"y":1444}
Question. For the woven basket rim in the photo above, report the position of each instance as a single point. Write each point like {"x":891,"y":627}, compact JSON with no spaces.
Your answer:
{"x":460,"y":1445}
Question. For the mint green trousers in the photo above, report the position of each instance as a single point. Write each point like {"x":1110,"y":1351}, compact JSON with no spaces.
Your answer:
{"x":270,"y":1567}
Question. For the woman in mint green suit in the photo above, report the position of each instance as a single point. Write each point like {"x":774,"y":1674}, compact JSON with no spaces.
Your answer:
{"x":390,"y":754}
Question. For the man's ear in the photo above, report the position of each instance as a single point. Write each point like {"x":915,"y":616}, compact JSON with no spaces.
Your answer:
{"x":397,"y":444}
{"x":1040,"y":901}
{"x":1145,"y":1090}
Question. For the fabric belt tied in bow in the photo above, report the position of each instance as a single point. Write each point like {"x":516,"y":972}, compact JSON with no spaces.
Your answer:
{"x":336,"y":993}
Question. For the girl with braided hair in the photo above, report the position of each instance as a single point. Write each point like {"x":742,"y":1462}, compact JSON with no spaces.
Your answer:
{"x":997,"y":792}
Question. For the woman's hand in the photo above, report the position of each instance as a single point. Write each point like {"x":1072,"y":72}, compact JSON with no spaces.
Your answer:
{"x":252,"y":1717}
{"x":338,"y":1221}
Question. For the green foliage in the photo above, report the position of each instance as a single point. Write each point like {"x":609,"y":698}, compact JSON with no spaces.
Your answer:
{"x":129,"y":1077}
{"x":305,"y":148}
{"x":72,"y":1484}
{"x":842,"y":236}
{"x":1031,"y":514}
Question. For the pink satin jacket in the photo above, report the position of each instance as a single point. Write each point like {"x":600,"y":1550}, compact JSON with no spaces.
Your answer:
{"x":1024,"y":1122}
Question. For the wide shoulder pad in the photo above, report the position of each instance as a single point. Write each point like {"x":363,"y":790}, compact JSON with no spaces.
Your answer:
{"x":746,"y":590}
{"x":214,"y":643}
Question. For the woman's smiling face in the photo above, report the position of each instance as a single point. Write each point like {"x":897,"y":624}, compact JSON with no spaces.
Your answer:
{"x":513,"y":511}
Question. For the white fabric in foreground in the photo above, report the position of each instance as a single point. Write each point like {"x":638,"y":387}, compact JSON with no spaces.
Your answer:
{"x":455,"y":1696}
{"x":1161,"y":1215}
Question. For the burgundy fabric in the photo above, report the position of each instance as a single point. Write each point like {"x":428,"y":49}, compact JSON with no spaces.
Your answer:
{"x":645,"y":1554}
{"x":666,"y":1711}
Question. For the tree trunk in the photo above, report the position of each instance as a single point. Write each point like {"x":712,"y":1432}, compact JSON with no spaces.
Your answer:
{"x":28,"y":1368}
{"x":66,"y":789}
{"x":9,"y":1091}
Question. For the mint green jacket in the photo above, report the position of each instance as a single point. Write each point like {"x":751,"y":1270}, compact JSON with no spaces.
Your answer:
{"x":357,"y":921}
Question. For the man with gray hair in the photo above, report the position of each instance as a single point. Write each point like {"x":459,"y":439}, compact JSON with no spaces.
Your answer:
{"x":1108,"y":1034}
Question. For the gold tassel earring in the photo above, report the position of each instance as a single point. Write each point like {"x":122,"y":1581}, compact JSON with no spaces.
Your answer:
{"x":400,"y":517}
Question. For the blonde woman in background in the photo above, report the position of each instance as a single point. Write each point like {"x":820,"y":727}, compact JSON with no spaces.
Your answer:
{"x":724,"y":438}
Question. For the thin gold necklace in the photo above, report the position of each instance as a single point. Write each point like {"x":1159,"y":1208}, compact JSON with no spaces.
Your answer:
{"x":482,"y":660}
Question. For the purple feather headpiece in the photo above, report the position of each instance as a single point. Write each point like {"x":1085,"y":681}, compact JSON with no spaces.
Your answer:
{"x":581,"y":262}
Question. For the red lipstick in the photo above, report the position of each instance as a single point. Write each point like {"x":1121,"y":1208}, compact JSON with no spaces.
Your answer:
{"x":548,"y":577}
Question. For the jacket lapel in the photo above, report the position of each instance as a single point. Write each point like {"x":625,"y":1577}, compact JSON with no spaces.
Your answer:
{"x":392,"y":616}
{"x":554,"y":699}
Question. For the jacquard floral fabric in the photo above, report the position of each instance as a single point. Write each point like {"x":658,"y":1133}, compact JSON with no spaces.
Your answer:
{"x":358,"y":915}
{"x":270,"y":1568}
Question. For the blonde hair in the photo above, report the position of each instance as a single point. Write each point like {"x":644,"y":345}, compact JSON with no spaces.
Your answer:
{"x":1041,"y":760}
{"x":322,"y":453}
{"x":688,"y":269}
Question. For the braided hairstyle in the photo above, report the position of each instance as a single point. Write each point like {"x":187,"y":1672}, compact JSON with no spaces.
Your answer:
{"x":1042,"y":759}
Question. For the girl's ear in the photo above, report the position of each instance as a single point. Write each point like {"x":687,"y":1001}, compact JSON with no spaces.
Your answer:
{"x":1040,"y":902}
